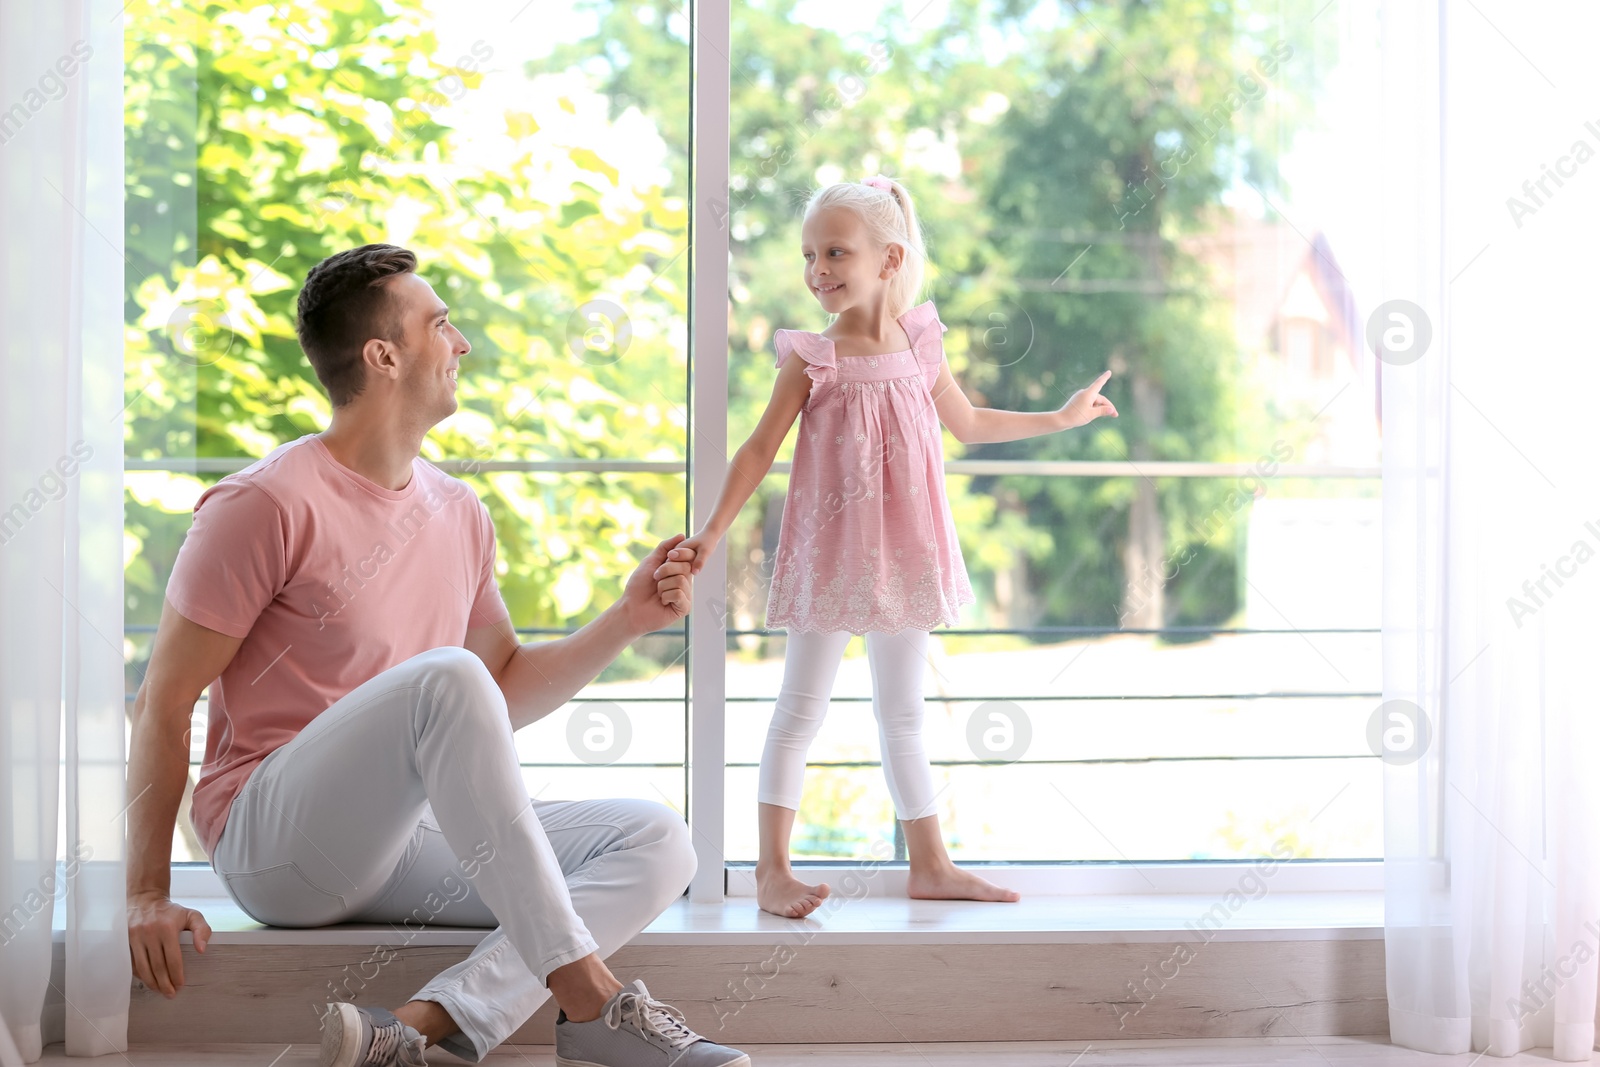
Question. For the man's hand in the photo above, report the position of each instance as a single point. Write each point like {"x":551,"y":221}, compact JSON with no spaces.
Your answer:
{"x":154,"y":923}
{"x":1086,"y":405}
{"x":659,"y":591}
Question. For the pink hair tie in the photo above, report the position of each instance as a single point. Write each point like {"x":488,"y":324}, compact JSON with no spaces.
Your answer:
{"x":878,"y":181}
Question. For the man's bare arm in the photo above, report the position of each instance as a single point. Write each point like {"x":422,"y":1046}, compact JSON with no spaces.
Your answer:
{"x":539,"y":677}
{"x":186,"y":658}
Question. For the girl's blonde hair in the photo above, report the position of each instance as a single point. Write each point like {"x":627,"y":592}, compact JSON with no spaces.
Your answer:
{"x":890,"y":218}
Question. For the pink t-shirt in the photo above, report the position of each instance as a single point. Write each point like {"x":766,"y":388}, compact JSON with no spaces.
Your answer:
{"x":330,"y":580}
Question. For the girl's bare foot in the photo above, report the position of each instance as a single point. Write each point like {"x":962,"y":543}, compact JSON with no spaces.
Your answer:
{"x":953,"y":883}
{"x":781,"y":893}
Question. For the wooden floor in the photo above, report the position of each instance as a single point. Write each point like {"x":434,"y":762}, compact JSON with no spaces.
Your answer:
{"x":1255,"y":1052}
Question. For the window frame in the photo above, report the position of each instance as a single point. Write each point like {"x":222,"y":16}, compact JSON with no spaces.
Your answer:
{"x":705,"y":464}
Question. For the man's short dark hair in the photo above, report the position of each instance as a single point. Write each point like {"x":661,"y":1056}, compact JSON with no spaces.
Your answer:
{"x":344,"y":305}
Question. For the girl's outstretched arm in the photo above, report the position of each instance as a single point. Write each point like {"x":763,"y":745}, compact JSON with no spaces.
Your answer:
{"x":973,"y":426}
{"x":753,"y":460}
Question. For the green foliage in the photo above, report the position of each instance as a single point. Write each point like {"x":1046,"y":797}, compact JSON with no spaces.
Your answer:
{"x":1021,"y":128}
{"x":261,"y":140}
{"x":842,"y":806}
{"x":1280,"y":837}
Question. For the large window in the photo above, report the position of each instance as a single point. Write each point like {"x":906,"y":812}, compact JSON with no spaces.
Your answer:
{"x":1174,"y":653}
{"x":262,"y":138}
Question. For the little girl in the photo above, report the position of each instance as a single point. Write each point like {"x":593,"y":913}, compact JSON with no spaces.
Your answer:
{"x":867,"y":545}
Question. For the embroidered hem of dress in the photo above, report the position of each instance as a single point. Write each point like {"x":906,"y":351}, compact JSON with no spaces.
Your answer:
{"x":948,"y":614}
{"x":816,"y":628}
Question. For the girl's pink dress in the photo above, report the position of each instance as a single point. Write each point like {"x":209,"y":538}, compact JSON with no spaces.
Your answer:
{"x":867,"y":541}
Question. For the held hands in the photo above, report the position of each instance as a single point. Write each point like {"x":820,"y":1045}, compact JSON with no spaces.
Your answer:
{"x":659,"y":591}
{"x":1086,"y":405}
{"x":699,"y":547}
{"x":154,"y":923}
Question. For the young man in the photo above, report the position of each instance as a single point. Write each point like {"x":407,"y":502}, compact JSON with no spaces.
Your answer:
{"x":339,"y":599}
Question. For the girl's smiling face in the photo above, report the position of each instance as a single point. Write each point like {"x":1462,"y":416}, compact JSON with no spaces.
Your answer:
{"x":843,"y":269}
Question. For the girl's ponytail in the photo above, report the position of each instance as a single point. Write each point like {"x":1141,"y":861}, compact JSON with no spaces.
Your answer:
{"x":885,"y":207}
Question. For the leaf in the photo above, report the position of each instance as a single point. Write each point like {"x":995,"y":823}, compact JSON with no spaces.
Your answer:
{"x":575,"y":210}
{"x":520,"y":125}
{"x":588,"y":160}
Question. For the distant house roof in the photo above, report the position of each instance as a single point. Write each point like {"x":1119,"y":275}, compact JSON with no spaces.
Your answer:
{"x":1276,"y":273}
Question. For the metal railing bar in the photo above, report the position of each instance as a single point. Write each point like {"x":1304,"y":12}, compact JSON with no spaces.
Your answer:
{"x":1023,"y":631}
{"x":861,"y":764}
{"x":1028,"y":631}
{"x":548,"y":631}
{"x":867,"y":764}
{"x":1017,"y":699}
{"x":873,"y":764}
{"x":954,"y":699}
{"x":230,"y":464}
{"x":971,"y":467}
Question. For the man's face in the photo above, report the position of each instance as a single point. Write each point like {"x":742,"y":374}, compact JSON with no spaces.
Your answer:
{"x":430,"y":348}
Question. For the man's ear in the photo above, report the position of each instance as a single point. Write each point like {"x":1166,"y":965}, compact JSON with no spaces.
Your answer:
{"x":381,"y":358}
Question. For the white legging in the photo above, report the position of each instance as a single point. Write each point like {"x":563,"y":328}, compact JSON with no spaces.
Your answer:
{"x":809,"y":668}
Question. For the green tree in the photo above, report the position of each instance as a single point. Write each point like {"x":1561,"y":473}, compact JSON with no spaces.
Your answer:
{"x":1112,"y":169}
{"x":1027,"y":131}
{"x":261,"y":140}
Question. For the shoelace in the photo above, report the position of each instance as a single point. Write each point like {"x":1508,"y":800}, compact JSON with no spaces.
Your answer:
{"x":650,"y":1014}
{"x":386,"y":1040}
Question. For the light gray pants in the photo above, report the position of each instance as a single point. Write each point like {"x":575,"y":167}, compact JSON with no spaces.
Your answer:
{"x":404,"y":803}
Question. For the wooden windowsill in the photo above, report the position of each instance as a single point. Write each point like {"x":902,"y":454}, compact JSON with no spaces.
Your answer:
{"x":884,"y":920}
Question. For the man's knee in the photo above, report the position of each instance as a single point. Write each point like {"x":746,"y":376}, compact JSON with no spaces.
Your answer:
{"x":449,"y":660}
{"x":458,"y":677}
{"x":664,"y":832}
{"x":452,"y":666}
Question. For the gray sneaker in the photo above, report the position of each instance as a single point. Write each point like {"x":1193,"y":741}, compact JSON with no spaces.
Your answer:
{"x":636,"y":1030}
{"x":368,"y":1037}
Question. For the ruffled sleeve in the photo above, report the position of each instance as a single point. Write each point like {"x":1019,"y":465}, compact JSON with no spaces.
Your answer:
{"x":923,"y":327}
{"x":814,"y":348}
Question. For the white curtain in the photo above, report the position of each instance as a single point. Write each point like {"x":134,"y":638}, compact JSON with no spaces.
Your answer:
{"x":61,"y":661}
{"x":1491,"y":518}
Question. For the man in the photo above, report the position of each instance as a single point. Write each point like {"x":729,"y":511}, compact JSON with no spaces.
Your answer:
{"x":338,"y":597}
